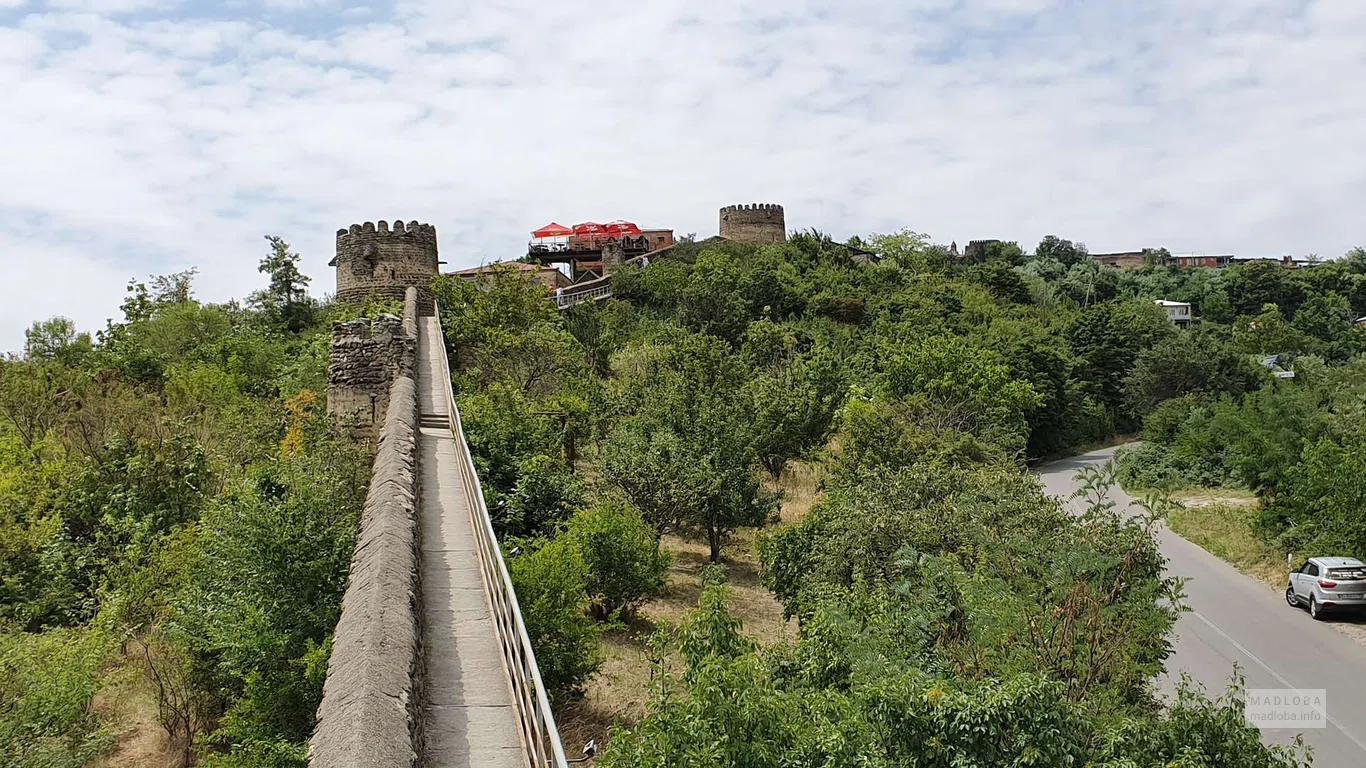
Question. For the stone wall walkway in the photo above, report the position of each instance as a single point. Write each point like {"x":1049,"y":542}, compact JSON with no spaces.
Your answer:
{"x":469,"y":718}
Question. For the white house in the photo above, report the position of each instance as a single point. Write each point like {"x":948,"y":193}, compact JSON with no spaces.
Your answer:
{"x":1178,"y":312}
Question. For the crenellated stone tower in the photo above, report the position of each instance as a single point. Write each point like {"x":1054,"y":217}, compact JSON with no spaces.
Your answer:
{"x":374,"y":259}
{"x":756,"y":223}
{"x":368,"y":355}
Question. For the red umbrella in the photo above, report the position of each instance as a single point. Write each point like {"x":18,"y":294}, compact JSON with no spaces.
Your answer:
{"x":553,"y":230}
{"x":589,"y":228}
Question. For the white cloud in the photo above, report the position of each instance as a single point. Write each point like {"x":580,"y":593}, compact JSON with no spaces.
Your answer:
{"x":133,"y":145}
{"x":109,"y":6}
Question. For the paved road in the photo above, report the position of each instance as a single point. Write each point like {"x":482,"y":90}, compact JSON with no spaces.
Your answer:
{"x":1236,"y":619}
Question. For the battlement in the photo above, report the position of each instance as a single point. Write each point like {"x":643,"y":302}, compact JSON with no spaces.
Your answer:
{"x":752,"y":207}
{"x":373,"y":230}
{"x":757,"y":223}
{"x":374,"y":259}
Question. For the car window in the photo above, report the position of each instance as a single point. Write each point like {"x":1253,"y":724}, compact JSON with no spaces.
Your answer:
{"x":1347,"y":574}
{"x":1309,"y":568}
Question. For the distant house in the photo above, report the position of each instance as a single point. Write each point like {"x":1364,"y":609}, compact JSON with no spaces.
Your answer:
{"x":548,"y":276}
{"x":1200,"y":260}
{"x":1178,"y":312}
{"x":1124,"y":260}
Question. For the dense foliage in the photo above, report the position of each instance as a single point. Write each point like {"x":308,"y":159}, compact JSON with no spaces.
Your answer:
{"x":1217,"y":416}
{"x":175,"y":505}
{"x":949,"y":613}
{"x":176,"y":517}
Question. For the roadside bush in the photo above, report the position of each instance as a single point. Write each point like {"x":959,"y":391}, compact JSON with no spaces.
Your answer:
{"x":1151,"y":465}
{"x":622,"y":556}
{"x":551,"y":584}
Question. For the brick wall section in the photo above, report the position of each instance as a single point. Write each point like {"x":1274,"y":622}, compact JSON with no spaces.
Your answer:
{"x":370,"y":711}
{"x":365,"y":358}
{"x":372,"y":258}
{"x":755,"y":223}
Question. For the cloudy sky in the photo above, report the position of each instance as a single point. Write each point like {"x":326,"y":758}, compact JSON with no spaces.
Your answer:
{"x":142,"y":137}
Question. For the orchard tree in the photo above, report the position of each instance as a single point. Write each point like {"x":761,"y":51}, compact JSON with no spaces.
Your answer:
{"x":793,"y":404}
{"x":685,"y":456}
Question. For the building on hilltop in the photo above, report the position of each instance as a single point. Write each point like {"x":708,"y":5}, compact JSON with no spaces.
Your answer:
{"x":548,"y":276}
{"x":372,"y":258}
{"x":1289,"y":262}
{"x":756,"y":223}
{"x":1122,"y":260}
{"x":976,"y":250}
{"x":1199,"y":260}
{"x":591,"y":250}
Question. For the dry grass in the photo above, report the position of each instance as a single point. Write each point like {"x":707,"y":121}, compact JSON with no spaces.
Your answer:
{"x":1220,"y":522}
{"x":619,"y":693}
{"x":129,"y":703}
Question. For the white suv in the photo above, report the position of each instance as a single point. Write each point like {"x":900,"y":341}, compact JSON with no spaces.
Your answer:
{"x":1328,"y":583}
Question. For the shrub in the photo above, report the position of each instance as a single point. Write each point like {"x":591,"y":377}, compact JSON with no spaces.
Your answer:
{"x":551,"y":584}
{"x":47,"y":682}
{"x":545,"y":495}
{"x":621,"y":553}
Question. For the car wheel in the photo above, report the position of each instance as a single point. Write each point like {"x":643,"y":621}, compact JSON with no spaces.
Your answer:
{"x":1314,"y":609}
{"x":1290,"y":598}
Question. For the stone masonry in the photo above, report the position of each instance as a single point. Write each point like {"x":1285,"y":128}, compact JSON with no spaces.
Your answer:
{"x":757,"y":223}
{"x":367,"y":356}
{"x":370,"y":713}
{"x":372,"y":258}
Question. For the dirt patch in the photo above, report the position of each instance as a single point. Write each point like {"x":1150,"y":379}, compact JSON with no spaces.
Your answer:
{"x":131,"y":708}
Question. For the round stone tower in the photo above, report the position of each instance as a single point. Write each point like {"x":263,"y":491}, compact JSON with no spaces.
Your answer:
{"x":372,"y":258}
{"x":755,"y":223}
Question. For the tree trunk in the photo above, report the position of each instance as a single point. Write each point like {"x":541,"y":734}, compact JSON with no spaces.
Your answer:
{"x":714,"y":541}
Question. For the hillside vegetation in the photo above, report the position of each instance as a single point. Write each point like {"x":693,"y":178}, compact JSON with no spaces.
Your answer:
{"x":176,"y":521}
{"x":948,"y":612}
{"x":177,"y":512}
{"x":1298,"y":443}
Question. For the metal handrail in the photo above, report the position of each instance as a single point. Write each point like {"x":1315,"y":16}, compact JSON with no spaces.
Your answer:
{"x":535,"y":719}
{"x":578,"y":297}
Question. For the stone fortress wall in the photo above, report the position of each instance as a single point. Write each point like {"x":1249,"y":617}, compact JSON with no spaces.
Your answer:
{"x":367,"y":356}
{"x":372,"y":258}
{"x":371,"y":707}
{"x":757,"y":223}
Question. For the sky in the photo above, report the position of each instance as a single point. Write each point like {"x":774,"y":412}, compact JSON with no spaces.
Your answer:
{"x":142,"y":137}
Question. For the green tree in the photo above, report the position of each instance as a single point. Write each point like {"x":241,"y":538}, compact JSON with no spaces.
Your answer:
{"x":1253,"y":285}
{"x":959,"y":388}
{"x":286,"y":297}
{"x":793,"y":403}
{"x":1063,"y":251}
{"x":56,"y":339}
{"x":1269,"y":333}
{"x":551,"y":583}
{"x":622,"y":557}
{"x":1186,"y":363}
{"x":685,"y":454}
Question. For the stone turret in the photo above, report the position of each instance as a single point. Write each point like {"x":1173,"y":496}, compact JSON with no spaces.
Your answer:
{"x":374,"y":259}
{"x":755,"y":223}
